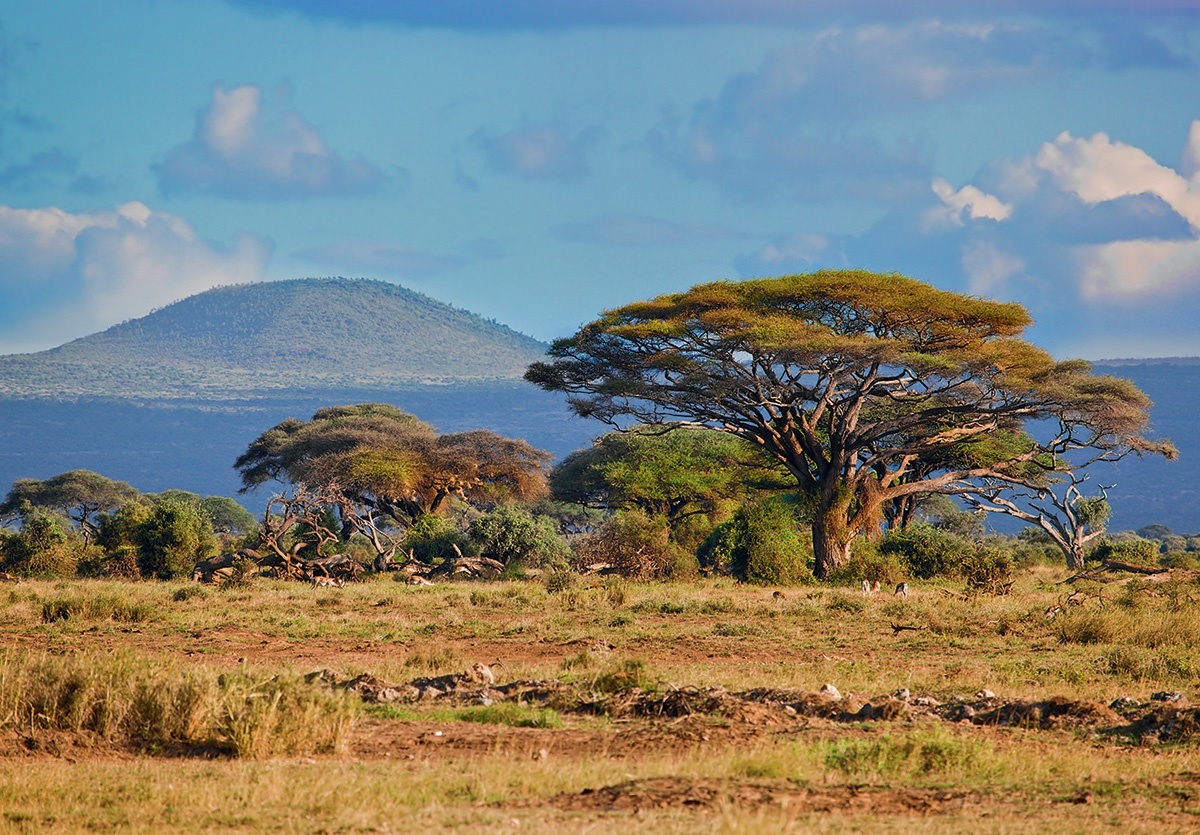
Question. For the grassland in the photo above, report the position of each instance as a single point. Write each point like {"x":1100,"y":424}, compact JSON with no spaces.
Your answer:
{"x":670,"y":708}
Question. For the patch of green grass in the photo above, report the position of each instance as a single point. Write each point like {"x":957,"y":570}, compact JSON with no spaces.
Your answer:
{"x":508,"y":713}
{"x":88,"y":605}
{"x":891,"y":757}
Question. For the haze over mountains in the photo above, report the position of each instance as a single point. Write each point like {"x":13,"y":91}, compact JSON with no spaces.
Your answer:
{"x":171,"y":399}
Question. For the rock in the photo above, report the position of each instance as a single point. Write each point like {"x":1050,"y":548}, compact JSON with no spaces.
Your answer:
{"x":926,"y":701}
{"x":830,"y":691}
{"x":481,"y":673}
{"x":985,"y":694}
{"x":1124,"y":703}
{"x":902,"y":694}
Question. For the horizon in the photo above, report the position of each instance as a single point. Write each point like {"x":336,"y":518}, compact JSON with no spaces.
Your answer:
{"x":535,"y":164}
{"x":1103,"y":361}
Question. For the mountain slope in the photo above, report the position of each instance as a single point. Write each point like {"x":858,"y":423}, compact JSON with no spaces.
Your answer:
{"x":306,"y":333}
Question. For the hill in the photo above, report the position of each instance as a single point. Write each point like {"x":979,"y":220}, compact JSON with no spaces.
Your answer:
{"x":247,"y":340}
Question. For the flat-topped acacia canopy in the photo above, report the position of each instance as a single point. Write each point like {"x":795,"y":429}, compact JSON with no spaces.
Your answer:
{"x":868,"y":387}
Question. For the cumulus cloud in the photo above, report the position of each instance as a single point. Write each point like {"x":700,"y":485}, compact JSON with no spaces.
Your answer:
{"x":538,"y":151}
{"x":247,"y":147}
{"x":66,"y":275}
{"x":968,"y":202}
{"x":625,"y":230}
{"x":791,"y":123}
{"x":374,"y":258}
{"x":1091,"y":233}
{"x":811,"y":120}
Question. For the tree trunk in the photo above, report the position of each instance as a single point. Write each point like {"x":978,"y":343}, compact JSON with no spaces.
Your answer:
{"x":1075,"y":556}
{"x":831,"y":535}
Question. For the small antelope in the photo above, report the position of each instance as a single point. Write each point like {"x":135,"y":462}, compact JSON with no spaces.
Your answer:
{"x":902,"y":590}
{"x":866,"y":587}
{"x":325,"y":580}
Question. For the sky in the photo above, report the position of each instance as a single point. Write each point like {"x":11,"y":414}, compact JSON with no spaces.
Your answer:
{"x":539,"y":161}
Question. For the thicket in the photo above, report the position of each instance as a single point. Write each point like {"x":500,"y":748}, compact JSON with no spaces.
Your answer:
{"x":160,"y":538}
{"x":764,"y":541}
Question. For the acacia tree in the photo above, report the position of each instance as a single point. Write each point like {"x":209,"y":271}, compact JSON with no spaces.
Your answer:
{"x":81,"y":495}
{"x":675,"y":474}
{"x":853,"y":380}
{"x":389,"y":463}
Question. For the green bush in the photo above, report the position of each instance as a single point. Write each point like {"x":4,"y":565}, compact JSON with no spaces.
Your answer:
{"x":1136,"y":551}
{"x":45,"y":546}
{"x":927,"y":551}
{"x":868,"y":562}
{"x":432,"y":538}
{"x":716,"y":552}
{"x":763,"y":544}
{"x":175,"y":536}
{"x":509,"y":534}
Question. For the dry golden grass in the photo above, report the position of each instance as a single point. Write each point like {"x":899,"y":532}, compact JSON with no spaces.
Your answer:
{"x":109,"y":713}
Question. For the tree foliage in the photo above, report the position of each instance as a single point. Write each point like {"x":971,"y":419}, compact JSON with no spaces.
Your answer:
{"x":868,"y":388}
{"x":392,"y":463}
{"x":676,"y":474}
{"x":79,"y":494}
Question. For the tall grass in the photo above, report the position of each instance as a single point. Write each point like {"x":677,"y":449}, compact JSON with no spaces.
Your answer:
{"x":152,"y":708}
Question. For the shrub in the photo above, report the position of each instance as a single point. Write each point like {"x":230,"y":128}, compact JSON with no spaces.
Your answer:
{"x":926,"y":550}
{"x":1137,"y":551}
{"x":761,"y":544}
{"x":623,"y":675}
{"x":432,"y":538}
{"x":868,"y":563}
{"x":175,"y":536}
{"x":716,"y":552}
{"x":989,"y":570}
{"x":43,"y":547}
{"x":560,"y":579}
{"x":635,"y":543}
{"x":509,"y":534}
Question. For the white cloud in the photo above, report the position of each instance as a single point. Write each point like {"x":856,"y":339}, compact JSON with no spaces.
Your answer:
{"x":1098,"y":170}
{"x":968,"y":200}
{"x":67,"y":275}
{"x":1100,"y":241}
{"x":1135,"y":269}
{"x":246,"y":147}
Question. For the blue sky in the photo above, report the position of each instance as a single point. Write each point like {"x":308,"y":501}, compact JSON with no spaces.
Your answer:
{"x":537,"y":161}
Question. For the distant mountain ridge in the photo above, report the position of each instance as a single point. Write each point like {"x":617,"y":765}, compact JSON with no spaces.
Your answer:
{"x":282,"y":335}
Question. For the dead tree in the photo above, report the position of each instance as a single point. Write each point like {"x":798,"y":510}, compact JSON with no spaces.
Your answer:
{"x":1071,"y":520}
